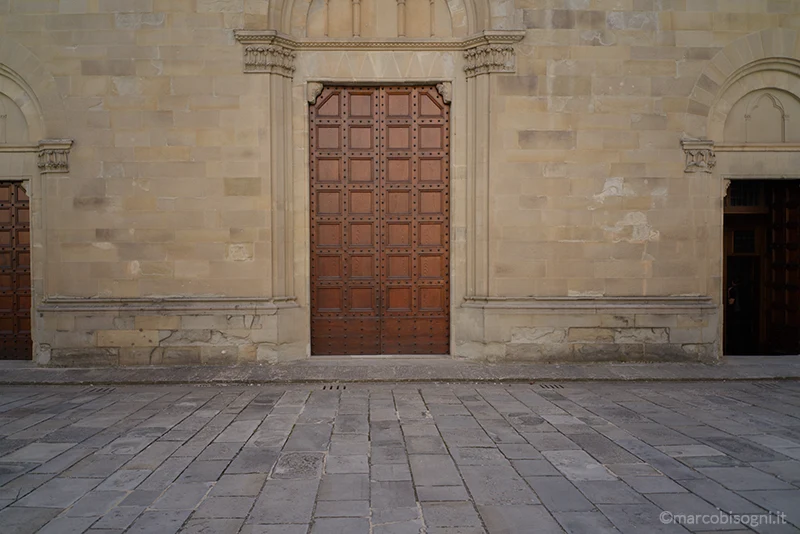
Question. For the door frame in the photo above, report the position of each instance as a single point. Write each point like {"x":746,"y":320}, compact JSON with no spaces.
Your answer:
{"x":445,"y":88}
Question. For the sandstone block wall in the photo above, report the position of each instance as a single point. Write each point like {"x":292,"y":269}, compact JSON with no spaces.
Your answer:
{"x":188,"y":175}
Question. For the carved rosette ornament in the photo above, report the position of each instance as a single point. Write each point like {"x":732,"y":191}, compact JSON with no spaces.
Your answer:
{"x":54,"y":155}
{"x":269,"y":58}
{"x":700,"y":156}
{"x":490,"y":58}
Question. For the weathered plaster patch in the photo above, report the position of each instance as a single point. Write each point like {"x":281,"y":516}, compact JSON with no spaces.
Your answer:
{"x":614,"y":187}
{"x":633,"y":228}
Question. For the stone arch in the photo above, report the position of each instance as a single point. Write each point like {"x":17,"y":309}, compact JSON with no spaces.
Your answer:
{"x":780,"y":74}
{"x":26,"y":81}
{"x":468,"y":16}
{"x":768,"y":51}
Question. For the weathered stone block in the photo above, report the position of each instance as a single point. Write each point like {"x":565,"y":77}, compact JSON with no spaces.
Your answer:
{"x":641,"y":335}
{"x":127,"y":338}
{"x":181,"y":356}
{"x":595,"y":335}
{"x":84,"y":357}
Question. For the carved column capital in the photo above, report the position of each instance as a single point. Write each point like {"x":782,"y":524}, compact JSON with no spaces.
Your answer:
{"x":700,"y":156}
{"x":269,"y":58}
{"x":54,"y":155}
{"x":489,"y":58}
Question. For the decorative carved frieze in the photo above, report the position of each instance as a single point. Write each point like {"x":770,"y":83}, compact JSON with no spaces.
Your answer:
{"x":54,"y":155}
{"x":445,"y":91}
{"x":700,"y":155}
{"x":269,"y":58}
{"x":489,"y":58}
{"x":313,"y":90}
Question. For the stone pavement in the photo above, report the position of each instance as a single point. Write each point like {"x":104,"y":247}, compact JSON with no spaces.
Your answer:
{"x":452,"y":458}
{"x":361,"y":369}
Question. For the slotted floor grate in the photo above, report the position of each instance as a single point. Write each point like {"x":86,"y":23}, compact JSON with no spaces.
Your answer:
{"x":551,"y":386}
{"x":334,"y":386}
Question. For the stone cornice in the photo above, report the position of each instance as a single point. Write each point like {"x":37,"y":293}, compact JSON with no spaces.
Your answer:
{"x":54,"y":155}
{"x":570,"y":304}
{"x":700,"y":155}
{"x":757,"y":147}
{"x":271,"y":37}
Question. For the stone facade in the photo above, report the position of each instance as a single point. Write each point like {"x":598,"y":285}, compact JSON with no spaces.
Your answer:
{"x":165,"y":143}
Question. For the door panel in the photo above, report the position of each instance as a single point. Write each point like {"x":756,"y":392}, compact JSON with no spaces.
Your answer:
{"x":783,"y":319}
{"x":380,"y":221}
{"x":15,"y":273}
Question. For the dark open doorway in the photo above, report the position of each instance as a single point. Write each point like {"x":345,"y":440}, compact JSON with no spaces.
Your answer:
{"x":761,"y":269}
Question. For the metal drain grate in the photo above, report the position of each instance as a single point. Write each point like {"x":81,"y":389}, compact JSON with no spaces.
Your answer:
{"x":336,"y":386}
{"x":99,"y":390}
{"x":551,"y":386}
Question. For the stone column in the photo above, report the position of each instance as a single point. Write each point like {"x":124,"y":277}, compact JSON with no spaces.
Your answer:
{"x":483,"y":62}
{"x":275,"y":59}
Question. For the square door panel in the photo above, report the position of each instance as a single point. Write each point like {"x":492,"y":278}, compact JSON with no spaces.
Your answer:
{"x":431,"y":202}
{"x":361,"y":234}
{"x":431,"y":170}
{"x":431,"y":137}
{"x":399,"y":299}
{"x":362,"y":299}
{"x":431,"y":234}
{"x":431,"y":298}
{"x":361,"y":138}
{"x":399,"y":137}
{"x":398,"y":170}
{"x":398,"y":202}
{"x":362,"y":266}
{"x":330,"y":299}
{"x":398,"y":266}
{"x":398,"y":104}
{"x":330,"y":106}
{"x":429,"y":107}
{"x":362,"y":170}
{"x":329,"y":234}
{"x":361,"y":202}
{"x":431,"y":267}
{"x":329,"y":267}
{"x":398,"y":234}
{"x":329,"y":137}
{"x":360,"y":105}
{"x":329,"y":202}
{"x":329,"y":170}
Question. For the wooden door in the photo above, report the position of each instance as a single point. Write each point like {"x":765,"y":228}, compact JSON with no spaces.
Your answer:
{"x":783,"y":319}
{"x":380,"y":212}
{"x":15,"y":273}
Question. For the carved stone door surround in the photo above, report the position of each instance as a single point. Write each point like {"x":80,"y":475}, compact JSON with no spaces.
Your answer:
{"x":297,"y":69}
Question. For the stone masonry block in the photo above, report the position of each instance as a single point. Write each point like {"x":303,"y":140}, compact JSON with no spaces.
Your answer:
{"x":158,"y":322}
{"x":84,"y":357}
{"x":592,"y":335}
{"x":641,"y":335}
{"x":127,"y":338}
{"x":539,"y":335}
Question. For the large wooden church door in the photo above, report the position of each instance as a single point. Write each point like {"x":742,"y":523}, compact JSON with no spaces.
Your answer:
{"x":380,"y":221}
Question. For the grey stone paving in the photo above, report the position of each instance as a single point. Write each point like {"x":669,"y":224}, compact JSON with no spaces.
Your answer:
{"x":401,"y":458}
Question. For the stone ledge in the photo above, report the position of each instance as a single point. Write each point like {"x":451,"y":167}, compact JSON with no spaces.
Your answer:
{"x":188,"y":305}
{"x":633,"y":305}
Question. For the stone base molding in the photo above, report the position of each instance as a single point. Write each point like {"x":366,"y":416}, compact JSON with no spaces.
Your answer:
{"x":590,"y":329}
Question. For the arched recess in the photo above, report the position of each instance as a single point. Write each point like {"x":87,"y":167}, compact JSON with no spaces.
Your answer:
{"x":781,"y":74}
{"x":764,"y":57}
{"x":468,"y":16}
{"x":24,"y":74}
